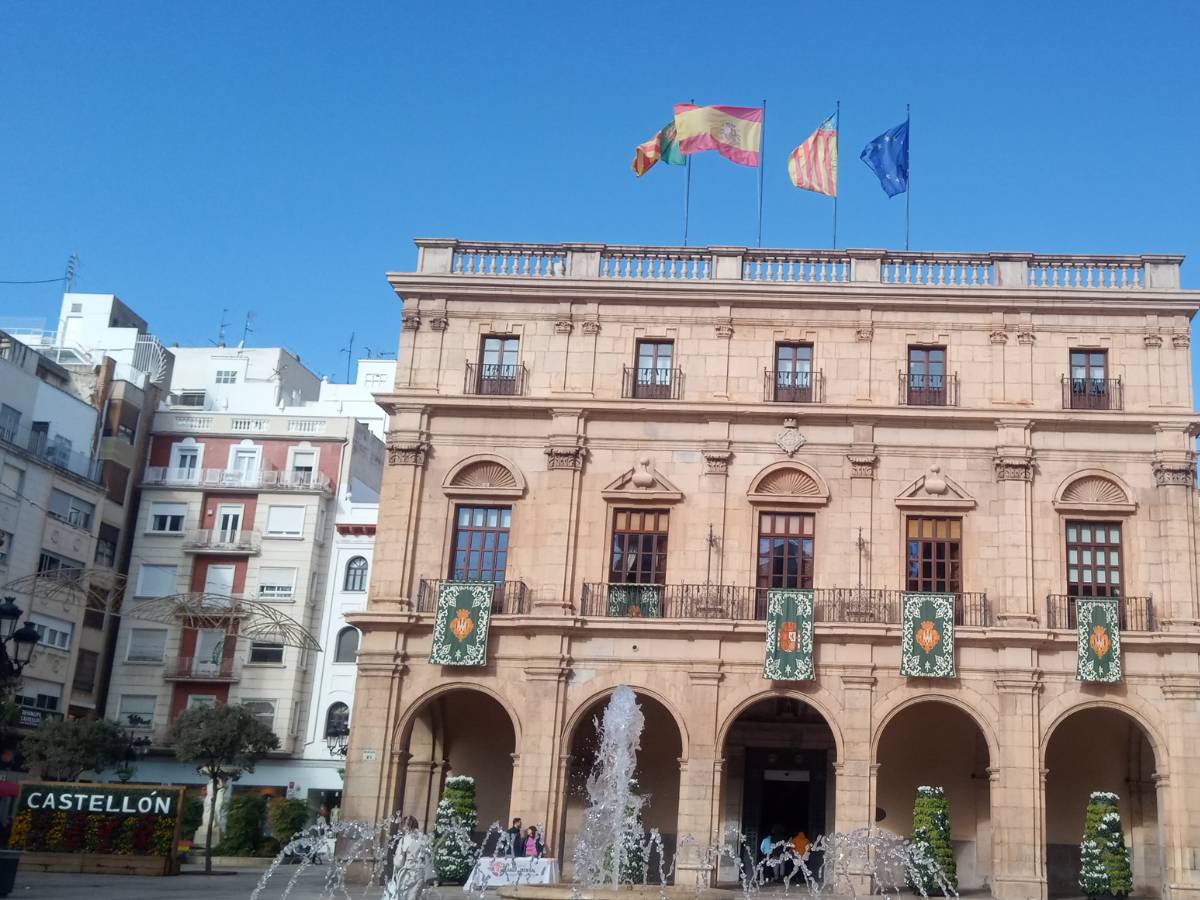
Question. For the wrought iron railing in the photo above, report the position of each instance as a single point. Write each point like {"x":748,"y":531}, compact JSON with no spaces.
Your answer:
{"x":190,"y":668}
{"x":928,"y":390}
{"x":509,"y":598}
{"x":218,"y":540}
{"x":652,"y":384}
{"x":793,"y":387}
{"x":1133,"y":613}
{"x":1092,"y":393}
{"x":728,"y":601}
{"x":494,"y":380}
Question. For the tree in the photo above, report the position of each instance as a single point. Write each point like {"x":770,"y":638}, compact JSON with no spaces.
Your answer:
{"x":66,"y":748}
{"x":243,"y":833}
{"x":223,"y":741}
{"x":288,"y":818}
{"x":934,"y":871}
{"x":1104,"y":869}
{"x":456,"y":819}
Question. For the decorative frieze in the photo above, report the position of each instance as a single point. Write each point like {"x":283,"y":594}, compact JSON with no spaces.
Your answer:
{"x":563,"y":326}
{"x":565,"y":456}
{"x":1013,"y":468}
{"x":406,"y":451}
{"x":411,"y":320}
{"x":790,"y":439}
{"x":716,"y":462}
{"x":1168,"y":472}
{"x":591,"y":327}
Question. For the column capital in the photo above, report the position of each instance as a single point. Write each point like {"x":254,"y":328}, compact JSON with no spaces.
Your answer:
{"x":406,"y":449}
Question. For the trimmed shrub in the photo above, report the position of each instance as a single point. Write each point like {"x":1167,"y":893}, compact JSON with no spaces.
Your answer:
{"x":931,"y":839}
{"x":456,"y":819}
{"x":1104,"y":869}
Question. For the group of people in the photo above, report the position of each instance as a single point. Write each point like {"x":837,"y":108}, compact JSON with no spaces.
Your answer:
{"x":527,"y":844}
{"x":778,"y":855}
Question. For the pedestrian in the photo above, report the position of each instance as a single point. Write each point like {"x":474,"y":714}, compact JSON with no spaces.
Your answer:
{"x":533,"y":843}
{"x":409,"y":863}
{"x":516,"y":844}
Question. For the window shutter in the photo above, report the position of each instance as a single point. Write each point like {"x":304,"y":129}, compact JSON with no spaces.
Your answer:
{"x":285,"y":520}
{"x":147,"y":644}
{"x":155,"y":581}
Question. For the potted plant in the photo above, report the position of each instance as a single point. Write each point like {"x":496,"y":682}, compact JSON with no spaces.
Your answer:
{"x":934,"y":871}
{"x":1104,"y":870}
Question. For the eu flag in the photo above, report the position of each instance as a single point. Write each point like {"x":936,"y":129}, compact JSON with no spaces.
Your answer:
{"x":887,"y":157}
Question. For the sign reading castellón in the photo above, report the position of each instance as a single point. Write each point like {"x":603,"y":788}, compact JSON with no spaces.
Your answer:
{"x":99,"y":799}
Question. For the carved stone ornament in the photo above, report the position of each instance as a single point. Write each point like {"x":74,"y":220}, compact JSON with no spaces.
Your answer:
{"x":1168,"y":473}
{"x":439,"y":323}
{"x":934,"y":482}
{"x":1025,"y":337}
{"x":565,"y":457}
{"x":865,"y":333}
{"x":790,"y":439}
{"x":563,"y":326}
{"x":1181,"y":340}
{"x":716,"y":462}
{"x":724,"y":329}
{"x":643,"y":473}
{"x":406,"y":452}
{"x":591,"y":327}
{"x":1013,"y":468}
{"x":1152,"y":340}
{"x":999,"y":336}
{"x":862,"y":465}
{"x":412,"y":321}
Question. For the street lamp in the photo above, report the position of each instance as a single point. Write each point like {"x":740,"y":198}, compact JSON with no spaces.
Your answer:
{"x":337,"y":737}
{"x":23,"y":639}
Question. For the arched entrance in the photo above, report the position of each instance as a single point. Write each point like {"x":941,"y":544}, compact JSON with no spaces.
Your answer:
{"x":1101,"y":749}
{"x":461,"y":731}
{"x":657,"y":773}
{"x":941,"y":745}
{"x":778,"y":776}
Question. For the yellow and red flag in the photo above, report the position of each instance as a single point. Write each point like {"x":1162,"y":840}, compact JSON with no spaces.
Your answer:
{"x":733,"y":131}
{"x":662,"y":146}
{"x":813,"y":165}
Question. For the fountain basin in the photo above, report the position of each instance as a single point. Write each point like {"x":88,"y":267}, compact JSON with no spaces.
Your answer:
{"x":624,"y":892}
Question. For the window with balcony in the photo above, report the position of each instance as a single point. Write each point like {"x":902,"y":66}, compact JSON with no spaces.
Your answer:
{"x":266,"y":652}
{"x":302,"y":465}
{"x":106,"y":545}
{"x":934,"y":554}
{"x":785,"y":550}
{"x":86,"y":665}
{"x":356,"y":575}
{"x":926,"y":382}
{"x":52,"y":632}
{"x":167,"y":518}
{"x":38,"y":694}
{"x":276,"y":583}
{"x":346,"y":647}
{"x":499,"y":370}
{"x":191,"y":398}
{"x":244,"y":460}
{"x":653,"y":376}
{"x":639,"y":546}
{"x":136,"y":711}
{"x":71,"y":509}
{"x":1094,"y":559}
{"x":480,"y":543}
{"x":1089,"y":386}
{"x":201,"y":701}
{"x":792,"y":379}
{"x":10,"y":420}
{"x":146,"y":645}
{"x":185,"y":460}
{"x":52,"y":562}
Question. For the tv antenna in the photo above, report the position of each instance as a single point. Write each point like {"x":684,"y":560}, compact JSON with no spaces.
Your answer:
{"x":72,"y":268}
{"x":220,"y":341}
{"x":246,"y":329}
{"x":349,"y":351}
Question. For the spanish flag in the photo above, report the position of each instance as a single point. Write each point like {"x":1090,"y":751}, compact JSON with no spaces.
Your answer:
{"x":813,"y":166}
{"x":662,"y":146}
{"x":733,"y":131}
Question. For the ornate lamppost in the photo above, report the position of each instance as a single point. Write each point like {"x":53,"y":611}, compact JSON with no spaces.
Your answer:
{"x":22,"y":639}
{"x":337,"y":739}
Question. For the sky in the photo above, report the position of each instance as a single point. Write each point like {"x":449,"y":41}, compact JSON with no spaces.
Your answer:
{"x":279,"y":158}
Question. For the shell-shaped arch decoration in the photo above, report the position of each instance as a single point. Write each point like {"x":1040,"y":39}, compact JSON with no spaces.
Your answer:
{"x":484,"y":475}
{"x":1094,"y":490}
{"x":790,"y":484}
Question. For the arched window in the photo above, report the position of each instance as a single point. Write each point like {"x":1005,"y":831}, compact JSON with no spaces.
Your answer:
{"x":337,"y":720}
{"x":346,"y":648}
{"x":356,"y":575}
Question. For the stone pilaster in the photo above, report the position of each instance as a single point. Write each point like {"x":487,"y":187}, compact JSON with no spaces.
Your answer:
{"x":1018,"y":792}
{"x":1178,"y":783}
{"x":1014,"y":468}
{"x":536,"y":767}
{"x":698,"y":787}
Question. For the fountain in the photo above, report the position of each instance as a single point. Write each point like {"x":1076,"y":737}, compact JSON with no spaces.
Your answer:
{"x":611,"y":850}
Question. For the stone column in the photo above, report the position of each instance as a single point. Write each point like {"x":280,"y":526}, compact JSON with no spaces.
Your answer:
{"x":537,"y":780}
{"x":1018,"y":793}
{"x":392,"y":577}
{"x":855,"y":774}
{"x":1174,"y":513}
{"x":565,"y":453}
{"x":1179,"y":788}
{"x":1014,"y":605}
{"x":698,"y":788}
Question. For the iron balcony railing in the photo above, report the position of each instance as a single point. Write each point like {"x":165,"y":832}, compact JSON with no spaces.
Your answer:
{"x":52,"y":449}
{"x":928,"y":390}
{"x":729,"y":601}
{"x":509,"y":598}
{"x":652,"y":384}
{"x":192,"y":668}
{"x":1092,"y":393}
{"x":266,"y":479}
{"x":1133,"y":613}
{"x":491,"y":380}
{"x":216,"y":540}
{"x":793,"y":387}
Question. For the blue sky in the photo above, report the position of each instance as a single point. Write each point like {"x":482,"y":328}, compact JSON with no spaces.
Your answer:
{"x":279,"y":158}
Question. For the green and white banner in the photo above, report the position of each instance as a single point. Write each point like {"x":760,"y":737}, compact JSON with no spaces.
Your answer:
{"x":927,"y":642}
{"x":789,"y":646}
{"x":635,"y":600}
{"x":460,"y":627}
{"x":1098,"y":631}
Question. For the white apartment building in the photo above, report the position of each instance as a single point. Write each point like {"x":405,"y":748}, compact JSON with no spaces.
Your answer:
{"x":247,"y":495}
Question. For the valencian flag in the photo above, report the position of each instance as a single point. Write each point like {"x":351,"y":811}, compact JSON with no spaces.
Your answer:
{"x":1097,"y":625}
{"x":460,"y":626}
{"x":635,"y":601}
{"x":789,"y":648}
{"x":662,"y":146}
{"x":813,"y":166}
{"x":927,"y":638}
{"x":733,"y":131}
{"x":887,"y":157}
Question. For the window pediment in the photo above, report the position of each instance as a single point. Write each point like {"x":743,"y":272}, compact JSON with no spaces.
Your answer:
{"x":641,"y":484}
{"x":935,"y":490}
{"x":484,"y":475}
{"x":1094,"y":491}
{"x":788,"y":484}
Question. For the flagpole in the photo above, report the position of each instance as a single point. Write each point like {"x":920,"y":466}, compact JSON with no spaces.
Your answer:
{"x":687,"y":191}
{"x":908,"y":174}
{"x":837,"y":151}
{"x":762,"y":148}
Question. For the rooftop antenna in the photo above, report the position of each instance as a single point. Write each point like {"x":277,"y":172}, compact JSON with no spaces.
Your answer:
{"x":220,"y":341}
{"x":72,"y":268}
{"x":349,"y":351}
{"x":246,"y":329}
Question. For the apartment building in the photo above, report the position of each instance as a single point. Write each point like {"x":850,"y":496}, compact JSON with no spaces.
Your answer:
{"x":629,"y":452}
{"x":241,"y":496}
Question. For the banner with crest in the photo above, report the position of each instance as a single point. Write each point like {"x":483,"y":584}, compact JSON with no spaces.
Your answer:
{"x":635,"y":600}
{"x":789,"y":648}
{"x":460,"y":625}
{"x":1098,"y":629}
{"x":927,"y":641}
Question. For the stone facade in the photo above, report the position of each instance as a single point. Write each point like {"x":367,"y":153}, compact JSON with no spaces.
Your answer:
{"x":565,"y":433}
